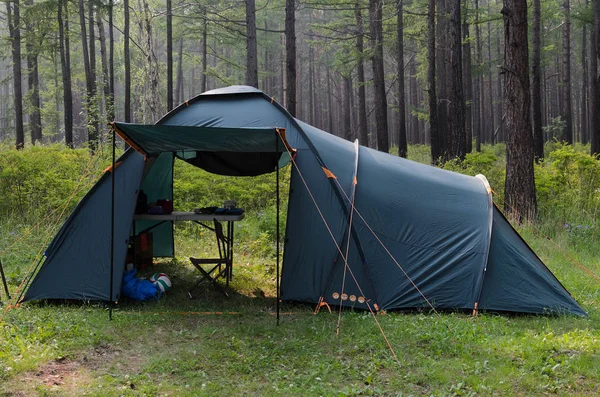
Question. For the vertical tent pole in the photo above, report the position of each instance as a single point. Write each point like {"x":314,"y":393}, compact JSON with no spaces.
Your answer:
{"x":4,"y":282}
{"x":112,"y":225}
{"x":277,"y":218}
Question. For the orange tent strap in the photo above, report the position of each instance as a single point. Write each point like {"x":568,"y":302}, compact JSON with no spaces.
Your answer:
{"x":328,"y":173}
{"x":127,"y":139}
{"x":355,"y":180}
{"x":272,"y":100}
{"x":323,"y":304}
{"x":187,"y":103}
{"x":281,"y":132}
{"x":110,"y":168}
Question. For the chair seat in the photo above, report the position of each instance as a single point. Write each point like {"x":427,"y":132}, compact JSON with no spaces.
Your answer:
{"x":207,"y":261}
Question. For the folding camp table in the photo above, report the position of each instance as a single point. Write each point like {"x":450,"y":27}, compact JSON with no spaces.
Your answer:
{"x":223,"y":265}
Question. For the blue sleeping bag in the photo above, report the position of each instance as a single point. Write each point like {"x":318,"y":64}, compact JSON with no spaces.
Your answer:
{"x":138,"y":289}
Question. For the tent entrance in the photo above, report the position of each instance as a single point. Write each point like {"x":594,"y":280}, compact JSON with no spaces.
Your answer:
{"x":223,"y":151}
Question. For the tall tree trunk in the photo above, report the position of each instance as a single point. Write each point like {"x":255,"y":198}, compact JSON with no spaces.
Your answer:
{"x":416,"y":135}
{"x":478,"y":95}
{"x":402,"y":142}
{"x":204,"y":52}
{"x":467,"y":83}
{"x":33,"y":80}
{"x":380,"y":99}
{"x":251,"y":51}
{"x":566,"y":103}
{"x":14,"y":23}
{"x":363,"y":134}
{"x":490,"y":87}
{"x":88,"y":72}
{"x":436,"y":144}
{"x":65,"y":64}
{"x":584,"y":85}
{"x":311,"y":85}
{"x":179,"y":83}
{"x":536,"y":89}
{"x":347,"y":113}
{"x":329,"y":103}
{"x":595,"y":77}
{"x":499,"y":90}
{"x":455,"y":105}
{"x":169,"y":56}
{"x":110,"y":101}
{"x":290,"y":56}
{"x":104,"y":62}
{"x":93,"y":116}
{"x":520,"y":186}
{"x":127,"y":61}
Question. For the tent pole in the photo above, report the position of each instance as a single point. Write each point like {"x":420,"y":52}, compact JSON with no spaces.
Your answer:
{"x":112,"y":226}
{"x":4,"y":282}
{"x":277,"y":218}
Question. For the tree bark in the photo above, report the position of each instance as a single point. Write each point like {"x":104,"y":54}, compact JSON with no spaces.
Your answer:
{"x":104,"y":62}
{"x":380,"y":99}
{"x":290,"y":58}
{"x":467,"y":83}
{"x":363,"y":134}
{"x":127,"y":61}
{"x":14,"y":23}
{"x":65,"y":63}
{"x":490,"y":86}
{"x":584,"y":85}
{"x":402,"y":142}
{"x":566,"y":83}
{"x":92,"y":106}
{"x":416,"y":136}
{"x":478,"y":94}
{"x":169,"y":56}
{"x":435,"y":139}
{"x":251,"y":50}
{"x":456,"y":106}
{"x":110,"y":101}
{"x":595,"y":78}
{"x":536,"y":89}
{"x":33,"y":79}
{"x":347,"y":124}
{"x":179,"y":84}
{"x":204,"y":46}
{"x":520,"y":187}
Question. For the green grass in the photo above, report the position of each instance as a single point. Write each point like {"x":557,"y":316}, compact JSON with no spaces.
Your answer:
{"x":178,"y":346}
{"x":232,"y":346}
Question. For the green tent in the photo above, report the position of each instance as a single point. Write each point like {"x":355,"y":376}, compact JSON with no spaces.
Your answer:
{"x":364,"y":228}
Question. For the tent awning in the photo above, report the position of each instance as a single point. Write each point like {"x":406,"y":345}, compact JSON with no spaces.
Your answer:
{"x":225,"y":151}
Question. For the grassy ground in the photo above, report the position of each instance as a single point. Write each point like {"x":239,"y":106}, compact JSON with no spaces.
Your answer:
{"x":232,"y":346}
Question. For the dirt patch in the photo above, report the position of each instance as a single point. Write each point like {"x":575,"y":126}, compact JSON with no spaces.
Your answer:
{"x":56,"y":373}
{"x":67,"y":375}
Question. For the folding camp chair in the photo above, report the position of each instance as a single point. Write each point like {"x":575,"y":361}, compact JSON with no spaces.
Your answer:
{"x":222,"y":264}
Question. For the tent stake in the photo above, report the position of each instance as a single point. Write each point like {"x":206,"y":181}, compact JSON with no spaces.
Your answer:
{"x":277,"y":218}
{"x":112,"y":226}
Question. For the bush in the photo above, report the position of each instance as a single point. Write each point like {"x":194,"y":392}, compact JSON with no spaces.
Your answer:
{"x":568,"y":186}
{"x":38,"y":179}
{"x":486,"y":162}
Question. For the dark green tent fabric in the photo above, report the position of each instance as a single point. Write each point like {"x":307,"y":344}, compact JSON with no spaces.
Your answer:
{"x":158,"y":185}
{"x":155,"y":139}
{"x":225,"y":151}
{"x":516,"y":279}
{"x":419,"y":235}
{"x":77,"y":262}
